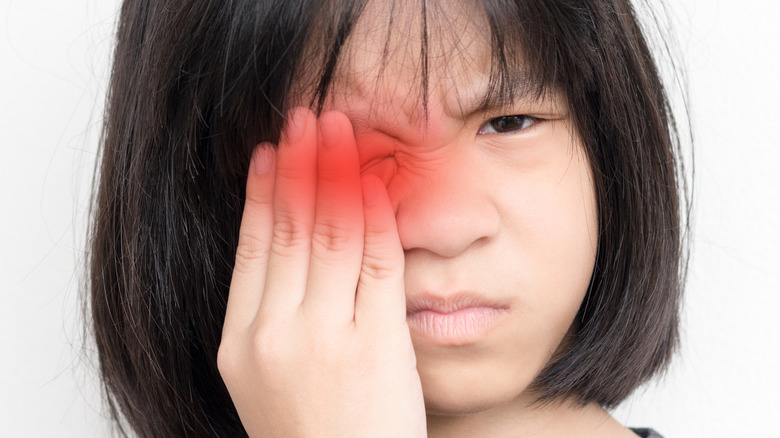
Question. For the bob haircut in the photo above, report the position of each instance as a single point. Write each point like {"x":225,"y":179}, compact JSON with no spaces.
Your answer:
{"x":196,"y":84}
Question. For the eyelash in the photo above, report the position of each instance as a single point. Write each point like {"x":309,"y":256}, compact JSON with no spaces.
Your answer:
{"x":526,"y":122}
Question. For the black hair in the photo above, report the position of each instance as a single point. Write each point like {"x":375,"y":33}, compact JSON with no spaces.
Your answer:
{"x":196,"y":84}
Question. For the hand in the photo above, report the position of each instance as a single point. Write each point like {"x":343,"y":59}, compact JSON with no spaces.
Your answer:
{"x":315,"y":341}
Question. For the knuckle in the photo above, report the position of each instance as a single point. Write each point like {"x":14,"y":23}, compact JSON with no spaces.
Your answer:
{"x":250,"y":250}
{"x":333,"y":235}
{"x":269,"y":348}
{"x":381,"y":228}
{"x":376,"y":267}
{"x":258,"y":202}
{"x":288,"y":232}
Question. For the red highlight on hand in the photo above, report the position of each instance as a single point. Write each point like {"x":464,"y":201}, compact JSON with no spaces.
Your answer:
{"x":339,"y":194}
{"x":372,"y":189}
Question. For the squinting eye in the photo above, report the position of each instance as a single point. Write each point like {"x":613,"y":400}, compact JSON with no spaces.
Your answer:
{"x":507,"y":124}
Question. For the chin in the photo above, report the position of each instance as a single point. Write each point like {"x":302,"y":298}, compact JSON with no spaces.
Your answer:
{"x":447,"y":394}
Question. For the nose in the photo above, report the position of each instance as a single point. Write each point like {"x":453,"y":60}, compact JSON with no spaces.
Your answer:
{"x":447,"y":211}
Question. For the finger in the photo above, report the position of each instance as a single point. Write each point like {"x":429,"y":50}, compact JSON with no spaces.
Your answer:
{"x":254,"y":241}
{"x":380,"y":293}
{"x":337,"y":237}
{"x":293,"y":215}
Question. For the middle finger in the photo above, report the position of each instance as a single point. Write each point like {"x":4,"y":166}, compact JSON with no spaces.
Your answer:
{"x":337,"y":239}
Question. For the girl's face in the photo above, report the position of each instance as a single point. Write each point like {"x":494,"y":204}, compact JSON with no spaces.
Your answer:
{"x":495,"y":209}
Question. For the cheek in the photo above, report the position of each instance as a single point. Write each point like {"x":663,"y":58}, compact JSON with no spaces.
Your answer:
{"x":558,"y":241}
{"x":561,"y":232}
{"x":548,"y":202}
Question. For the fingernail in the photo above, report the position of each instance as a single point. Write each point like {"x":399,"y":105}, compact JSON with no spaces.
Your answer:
{"x":262,"y":159}
{"x":330,"y":130}
{"x":296,"y":126}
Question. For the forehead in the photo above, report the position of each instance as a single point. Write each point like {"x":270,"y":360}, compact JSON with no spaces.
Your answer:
{"x":439,"y":55}
{"x":410,"y":63}
{"x":423,"y":58}
{"x":405,"y":39}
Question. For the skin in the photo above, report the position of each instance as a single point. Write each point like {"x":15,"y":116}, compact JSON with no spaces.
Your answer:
{"x":374,"y":204}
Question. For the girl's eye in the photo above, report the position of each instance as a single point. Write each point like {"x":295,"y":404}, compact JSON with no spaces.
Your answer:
{"x":507,"y":124}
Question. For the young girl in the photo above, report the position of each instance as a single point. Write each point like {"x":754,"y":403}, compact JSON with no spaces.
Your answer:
{"x":384,"y":219}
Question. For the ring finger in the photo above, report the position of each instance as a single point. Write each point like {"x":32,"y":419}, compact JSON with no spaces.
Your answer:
{"x":294,"y":202}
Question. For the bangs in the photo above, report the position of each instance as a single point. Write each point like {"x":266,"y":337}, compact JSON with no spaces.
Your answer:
{"x":519,"y":65}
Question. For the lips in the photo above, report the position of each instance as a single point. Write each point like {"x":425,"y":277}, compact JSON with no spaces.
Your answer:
{"x":456,"y":319}
{"x":451,"y":303}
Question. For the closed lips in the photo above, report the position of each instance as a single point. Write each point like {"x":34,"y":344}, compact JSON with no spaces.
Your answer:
{"x":451,"y":303}
{"x":454,"y":321}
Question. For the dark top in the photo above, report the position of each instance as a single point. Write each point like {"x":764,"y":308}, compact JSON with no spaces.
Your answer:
{"x":646,"y":433}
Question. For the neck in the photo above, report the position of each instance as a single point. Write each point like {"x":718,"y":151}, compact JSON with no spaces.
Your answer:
{"x":519,"y":418}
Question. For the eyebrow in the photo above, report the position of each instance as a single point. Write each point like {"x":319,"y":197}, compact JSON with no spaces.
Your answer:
{"x":502,"y":92}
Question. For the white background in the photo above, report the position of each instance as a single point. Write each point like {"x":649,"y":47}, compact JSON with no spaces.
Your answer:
{"x":54,"y":57}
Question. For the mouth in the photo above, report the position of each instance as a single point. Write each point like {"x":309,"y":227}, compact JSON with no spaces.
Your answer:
{"x":454,"y":320}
